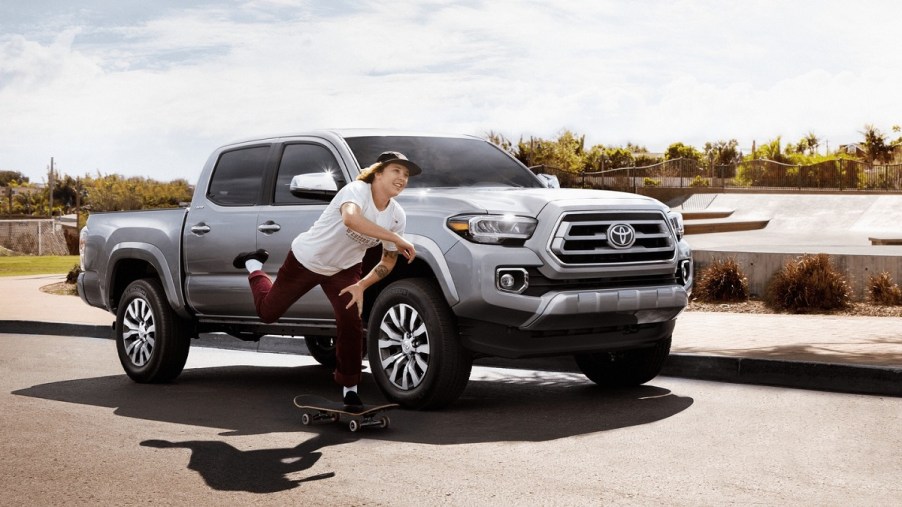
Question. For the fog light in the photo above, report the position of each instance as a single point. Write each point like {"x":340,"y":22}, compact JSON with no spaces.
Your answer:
{"x":514,"y":280}
{"x":684,"y":273}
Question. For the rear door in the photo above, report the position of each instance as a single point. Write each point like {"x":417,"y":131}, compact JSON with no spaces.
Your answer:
{"x":287,"y":215}
{"x":221,"y":226}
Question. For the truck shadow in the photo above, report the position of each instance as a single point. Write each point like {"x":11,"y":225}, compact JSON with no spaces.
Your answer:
{"x":496,"y":406}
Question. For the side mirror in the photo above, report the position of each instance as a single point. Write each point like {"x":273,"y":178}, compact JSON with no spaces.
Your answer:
{"x":313,"y":185}
{"x":549,"y":180}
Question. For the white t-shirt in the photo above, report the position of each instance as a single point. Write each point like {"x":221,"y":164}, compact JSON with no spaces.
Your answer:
{"x":329,"y":246}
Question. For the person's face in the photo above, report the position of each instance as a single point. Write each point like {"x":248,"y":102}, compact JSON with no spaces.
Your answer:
{"x":393,"y":179}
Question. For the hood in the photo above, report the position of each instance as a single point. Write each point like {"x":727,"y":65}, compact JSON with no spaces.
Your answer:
{"x":518,"y":201}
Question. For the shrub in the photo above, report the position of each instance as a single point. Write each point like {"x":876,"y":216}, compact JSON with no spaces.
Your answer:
{"x":809,"y":283}
{"x":698,"y":181}
{"x":883,"y":291}
{"x":722,"y":281}
{"x":651,"y":182}
{"x":72,"y":275}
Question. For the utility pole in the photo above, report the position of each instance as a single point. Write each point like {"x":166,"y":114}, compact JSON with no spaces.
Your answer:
{"x":50,"y":179}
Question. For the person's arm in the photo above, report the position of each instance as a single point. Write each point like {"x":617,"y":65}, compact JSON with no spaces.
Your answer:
{"x":353,"y":218}
{"x":380,"y":271}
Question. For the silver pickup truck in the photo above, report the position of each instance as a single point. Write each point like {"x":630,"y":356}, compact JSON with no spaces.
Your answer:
{"x":506,"y":265}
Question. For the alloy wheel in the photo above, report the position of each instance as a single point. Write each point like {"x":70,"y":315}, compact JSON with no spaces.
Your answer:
{"x":404,"y":346}
{"x":139,"y":331}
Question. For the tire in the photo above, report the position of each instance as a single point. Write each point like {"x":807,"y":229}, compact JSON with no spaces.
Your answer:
{"x":322,"y":348}
{"x":152,"y":341}
{"x":626,"y":368}
{"x":414,"y":348}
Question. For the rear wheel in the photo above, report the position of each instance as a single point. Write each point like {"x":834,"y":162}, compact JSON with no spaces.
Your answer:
{"x":625,"y":368}
{"x":152,"y":341}
{"x":414,"y":348}
{"x":322,"y":348}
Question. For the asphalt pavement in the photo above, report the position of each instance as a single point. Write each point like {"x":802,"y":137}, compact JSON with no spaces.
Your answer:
{"x":824,"y":352}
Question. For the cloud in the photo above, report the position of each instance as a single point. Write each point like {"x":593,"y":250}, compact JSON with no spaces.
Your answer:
{"x":154,"y":90}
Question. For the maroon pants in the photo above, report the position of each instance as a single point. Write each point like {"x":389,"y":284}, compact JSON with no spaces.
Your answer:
{"x":293,"y":281}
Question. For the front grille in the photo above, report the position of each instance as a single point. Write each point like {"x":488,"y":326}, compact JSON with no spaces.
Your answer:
{"x":582,"y":238}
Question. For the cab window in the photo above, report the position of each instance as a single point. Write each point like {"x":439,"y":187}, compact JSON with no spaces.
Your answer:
{"x":238,"y":177}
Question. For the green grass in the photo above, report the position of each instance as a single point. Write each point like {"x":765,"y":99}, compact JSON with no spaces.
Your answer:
{"x":33,"y":265}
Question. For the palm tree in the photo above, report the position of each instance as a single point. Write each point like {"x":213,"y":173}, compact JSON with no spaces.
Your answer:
{"x":812,"y":143}
{"x":875,"y":146}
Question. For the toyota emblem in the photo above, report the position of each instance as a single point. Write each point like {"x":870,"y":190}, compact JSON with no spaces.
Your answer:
{"x":621,"y":236}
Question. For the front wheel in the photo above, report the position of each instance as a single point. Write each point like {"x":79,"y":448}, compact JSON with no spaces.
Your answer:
{"x":414,"y":348}
{"x":152,"y":341}
{"x":625,"y":368}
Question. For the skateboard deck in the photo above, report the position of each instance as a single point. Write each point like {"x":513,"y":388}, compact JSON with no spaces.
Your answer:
{"x":318,"y":409}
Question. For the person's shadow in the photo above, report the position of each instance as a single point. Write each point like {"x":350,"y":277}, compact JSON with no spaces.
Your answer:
{"x":226,"y":468}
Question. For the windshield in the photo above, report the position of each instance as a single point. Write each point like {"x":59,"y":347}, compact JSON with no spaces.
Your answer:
{"x":448,"y":162}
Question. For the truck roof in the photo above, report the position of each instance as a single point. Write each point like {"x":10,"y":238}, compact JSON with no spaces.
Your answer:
{"x":348,"y":133}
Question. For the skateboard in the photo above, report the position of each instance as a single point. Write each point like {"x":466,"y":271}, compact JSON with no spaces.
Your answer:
{"x":318,"y":409}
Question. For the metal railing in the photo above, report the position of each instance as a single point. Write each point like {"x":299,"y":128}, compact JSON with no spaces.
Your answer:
{"x":760,"y":174}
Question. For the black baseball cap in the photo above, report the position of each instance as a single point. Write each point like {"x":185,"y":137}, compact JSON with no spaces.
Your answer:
{"x":395,"y":157}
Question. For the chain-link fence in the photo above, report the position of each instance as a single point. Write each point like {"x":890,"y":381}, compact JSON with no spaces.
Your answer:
{"x":33,"y":237}
{"x":833,"y":175}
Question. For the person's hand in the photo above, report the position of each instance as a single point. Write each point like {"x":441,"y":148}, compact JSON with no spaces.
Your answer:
{"x":356,"y":293}
{"x":406,"y":249}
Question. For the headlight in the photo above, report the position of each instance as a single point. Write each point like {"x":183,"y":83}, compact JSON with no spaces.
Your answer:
{"x":493,"y":229}
{"x":676,"y":220}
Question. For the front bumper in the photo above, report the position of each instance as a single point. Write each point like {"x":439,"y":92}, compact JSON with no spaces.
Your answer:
{"x":474,"y":269}
{"x":507,"y":324}
{"x":607,"y":307}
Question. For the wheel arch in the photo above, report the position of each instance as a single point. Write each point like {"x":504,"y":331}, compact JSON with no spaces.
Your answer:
{"x":429,"y":263}
{"x":133,"y":261}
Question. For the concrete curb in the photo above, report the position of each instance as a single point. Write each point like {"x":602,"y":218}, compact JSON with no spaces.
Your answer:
{"x":847,"y":378}
{"x":55,"y":328}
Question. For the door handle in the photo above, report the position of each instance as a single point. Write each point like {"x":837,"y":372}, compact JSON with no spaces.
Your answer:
{"x":269,"y":227}
{"x":200,"y":229}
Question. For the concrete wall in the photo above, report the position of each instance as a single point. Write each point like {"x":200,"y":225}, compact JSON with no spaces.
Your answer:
{"x":759,"y":267}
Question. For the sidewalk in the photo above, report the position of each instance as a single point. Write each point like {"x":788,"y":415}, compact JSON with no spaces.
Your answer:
{"x":718,"y":346}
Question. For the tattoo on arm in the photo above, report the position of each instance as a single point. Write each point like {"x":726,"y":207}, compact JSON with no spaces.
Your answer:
{"x":381,"y":271}
{"x":389,"y":256}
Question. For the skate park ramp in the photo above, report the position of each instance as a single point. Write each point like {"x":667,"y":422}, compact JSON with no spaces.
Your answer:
{"x":785,"y":226}
{"x":815,"y":220}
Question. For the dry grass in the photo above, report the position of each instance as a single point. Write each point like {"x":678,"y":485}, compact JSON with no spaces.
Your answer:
{"x":722,"y":281}
{"x":809,"y":284}
{"x":882,"y":290}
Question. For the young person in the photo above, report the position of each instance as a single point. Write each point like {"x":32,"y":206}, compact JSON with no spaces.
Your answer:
{"x":361,"y":215}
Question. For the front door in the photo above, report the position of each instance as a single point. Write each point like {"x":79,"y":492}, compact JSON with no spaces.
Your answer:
{"x":288,"y":215}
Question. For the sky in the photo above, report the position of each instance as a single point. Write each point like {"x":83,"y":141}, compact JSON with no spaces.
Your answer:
{"x":152,"y":88}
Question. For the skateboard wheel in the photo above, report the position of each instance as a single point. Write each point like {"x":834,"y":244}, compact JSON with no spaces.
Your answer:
{"x":354,"y":425}
{"x":384,"y":422}
{"x":305,"y":419}
{"x":335,"y":417}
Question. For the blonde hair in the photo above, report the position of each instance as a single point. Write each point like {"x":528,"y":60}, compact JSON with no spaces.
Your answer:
{"x":369,"y":174}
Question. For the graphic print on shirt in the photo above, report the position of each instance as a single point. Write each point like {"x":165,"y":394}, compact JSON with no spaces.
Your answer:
{"x":361,"y":239}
